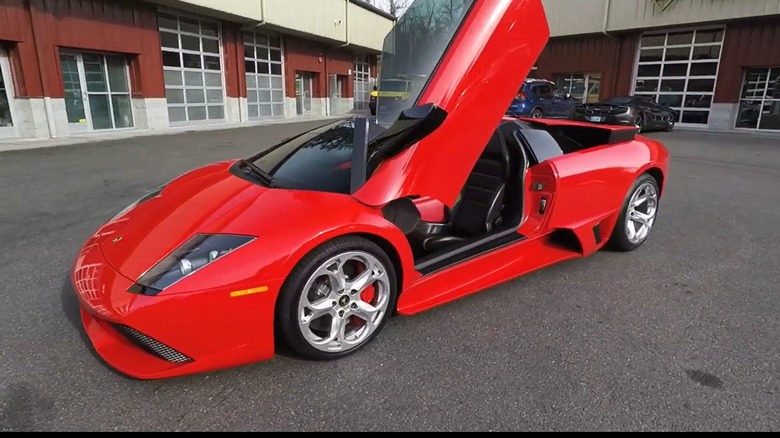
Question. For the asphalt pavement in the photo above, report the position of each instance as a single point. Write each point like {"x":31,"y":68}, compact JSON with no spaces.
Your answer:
{"x":682,"y":334}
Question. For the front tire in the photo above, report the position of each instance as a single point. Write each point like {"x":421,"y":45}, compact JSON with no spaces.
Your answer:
{"x":537,"y":113}
{"x":637,"y":218}
{"x":337,"y":299}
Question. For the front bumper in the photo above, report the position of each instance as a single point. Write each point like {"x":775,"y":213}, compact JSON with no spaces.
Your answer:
{"x":153,"y":337}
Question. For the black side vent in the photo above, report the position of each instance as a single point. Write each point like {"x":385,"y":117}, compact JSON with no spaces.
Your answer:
{"x":151,"y":345}
{"x":597,"y":233}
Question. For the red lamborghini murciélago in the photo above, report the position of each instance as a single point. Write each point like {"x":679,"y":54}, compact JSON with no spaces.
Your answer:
{"x":318,"y":240}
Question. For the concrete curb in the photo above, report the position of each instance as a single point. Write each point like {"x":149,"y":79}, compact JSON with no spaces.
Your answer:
{"x":17,"y":144}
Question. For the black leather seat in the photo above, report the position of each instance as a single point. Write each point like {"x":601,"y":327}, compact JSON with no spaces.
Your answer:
{"x":479,"y":209}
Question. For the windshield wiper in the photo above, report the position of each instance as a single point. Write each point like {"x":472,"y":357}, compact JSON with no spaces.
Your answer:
{"x":261,"y":174}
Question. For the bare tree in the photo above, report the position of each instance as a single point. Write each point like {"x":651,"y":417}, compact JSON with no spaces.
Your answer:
{"x":393,"y":7}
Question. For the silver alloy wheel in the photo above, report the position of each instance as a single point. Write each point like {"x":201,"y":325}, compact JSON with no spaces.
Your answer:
{"x":642,"y":209}
{"x":536,"y":114}
{"x":338,"y":309}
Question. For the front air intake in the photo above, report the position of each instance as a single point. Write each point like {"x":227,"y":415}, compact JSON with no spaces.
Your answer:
{"x":151,"y":345}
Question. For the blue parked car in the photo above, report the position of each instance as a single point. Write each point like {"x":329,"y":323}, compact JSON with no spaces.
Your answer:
{"x":539,"y":98}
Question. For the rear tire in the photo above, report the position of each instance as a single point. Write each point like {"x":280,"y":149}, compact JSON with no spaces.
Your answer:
{"x":337,"y":299}
{"x":640,"y":123}
{"x":537,"y":113}
{"x":637,"y":218}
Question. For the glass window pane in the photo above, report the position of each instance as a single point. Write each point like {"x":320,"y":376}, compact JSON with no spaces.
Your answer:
{"x":706,"y":52}
{"x":191,"y":61}
{"x":278,"y":109}
{"x":249,"y":66}
{"x":123,"y":112}
{"x":264,"y":96}
{"x":189,"y":42}
{"x":214,"y":96}
{"x":264,"y":110}
{"x":95,"y":76}
{"x":251,"y":96}
{"x":167,"y":21}
{"x":177,"y":114}
{"x":707,"y":85}
{"x":696,"y":117}
{"x":195,"y":96}
{"x":173,"y":95}
{"x":252,"y":110}
{"x":649,"y":70}
{"x":169,"y":39}
{"x":261,"y":39}
{"x":212,"y":62}
{"x":704,"y":69}
{"x":755,"y":83}
{"x":251,"y":81}
{"x":673,"y":100}
{"x":646,"y":85}
{"x":117,"y":74}
{"x":770,"y":117}
{"x":213,"y":79}
{"x":216,"y":112}
{"x":261,"y":52}
{"x":189,"y":25}
{"x":678,"y":54}
{"x":709,"y":36}
{"x":98,"y":109}
{"x":676,"y":38}
{"x":193,"y":78}
{"x":276,"y":69}
{"x":172,"y":77}
{"x":277,"y":96}
{"x":249,"y":38}
{"x":196,"y":112}
{"x":262,"y":68}
{"x":210,"y":46}
{"x":698,"y":101}
{"x":673,"y":85}
{"x":275,"y":41}
{"x":208,"y":28}
{"x":171,"y":59}
{"x":651,"y":55}
{"x":676,"y":69}
{"x":276,"y":55}
{"x":249,"y":51}
{"x":653,"y":40}
{"x":276,"y":82}
{"x":749,"y":111}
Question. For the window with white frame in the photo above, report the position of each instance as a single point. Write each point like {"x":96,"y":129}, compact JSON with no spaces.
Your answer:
{"x":759,"y":103}
{"x":264,"y":74}
{"x":680,"y":69}
{"x":584,"y":87}
{"x":192,"y":65}
{"x":362,"y":82}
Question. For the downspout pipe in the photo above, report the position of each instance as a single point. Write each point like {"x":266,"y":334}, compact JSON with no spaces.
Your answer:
{"x":327,"y":50}
{"x":605,"y":20}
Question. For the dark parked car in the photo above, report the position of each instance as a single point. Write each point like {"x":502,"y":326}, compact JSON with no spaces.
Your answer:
{"x":643,"y":112}
{"x":539,"y":98}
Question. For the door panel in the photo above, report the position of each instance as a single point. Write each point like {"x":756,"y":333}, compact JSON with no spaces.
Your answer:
{"x":75,"y":106}
{"x":7,"y":117}
{"x":474,"y":81}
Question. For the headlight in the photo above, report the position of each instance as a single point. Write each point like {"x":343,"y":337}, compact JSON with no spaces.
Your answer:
{"x":152,"y":194}
{"x":194,"y":254}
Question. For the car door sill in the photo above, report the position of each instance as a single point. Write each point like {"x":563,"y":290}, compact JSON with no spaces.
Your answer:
{"x":467,"y":250}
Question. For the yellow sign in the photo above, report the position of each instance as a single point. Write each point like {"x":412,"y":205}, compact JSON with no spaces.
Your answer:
{"x":241,"y":293}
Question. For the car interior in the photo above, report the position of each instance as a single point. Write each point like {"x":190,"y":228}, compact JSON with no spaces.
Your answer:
{"x":490,"y":207}
{"x":490,"y":202}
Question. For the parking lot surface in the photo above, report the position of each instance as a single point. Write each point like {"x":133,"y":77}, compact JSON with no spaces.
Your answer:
{"x":681,"y":334}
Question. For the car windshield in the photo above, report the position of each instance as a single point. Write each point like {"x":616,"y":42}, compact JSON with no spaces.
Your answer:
{"x":415,"y":46}
{"x":318,"y":160}
{"x":393,"y":86}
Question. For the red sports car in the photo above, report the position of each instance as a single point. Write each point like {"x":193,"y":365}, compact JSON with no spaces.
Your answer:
{"x":318,"y":240}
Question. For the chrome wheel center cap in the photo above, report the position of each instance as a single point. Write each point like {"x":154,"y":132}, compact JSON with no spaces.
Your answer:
{"x":344,"y":301}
